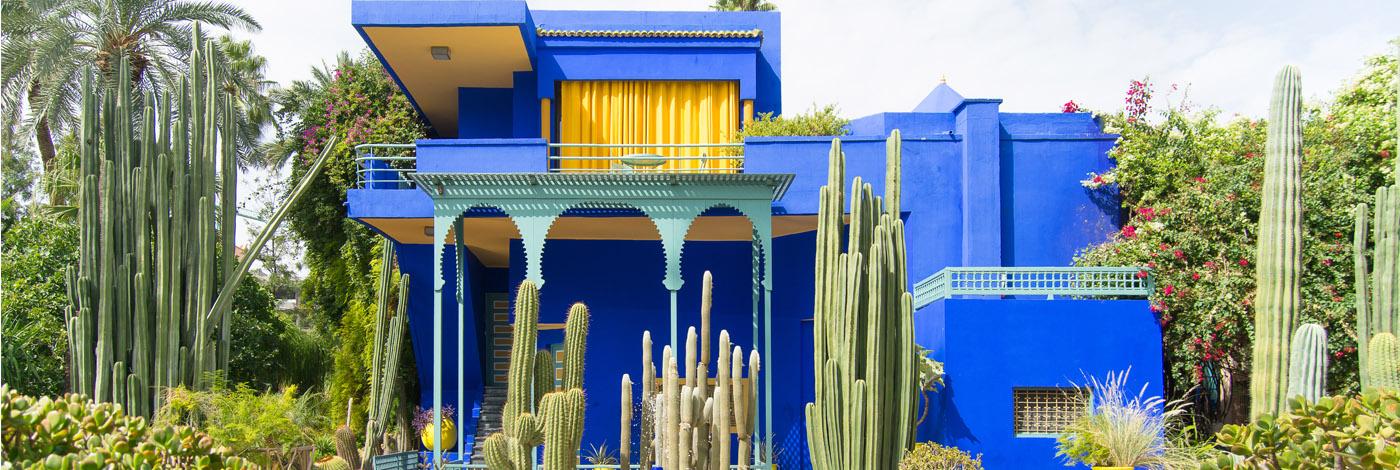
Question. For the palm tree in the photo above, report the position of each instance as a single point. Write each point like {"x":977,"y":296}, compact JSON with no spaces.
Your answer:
{"x":290,"y":103}
{"x":743,"y":5}
{"x":48,"y":44}
{"x":244,"y":70}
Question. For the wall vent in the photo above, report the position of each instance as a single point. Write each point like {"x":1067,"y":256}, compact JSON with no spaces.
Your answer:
{"x":1046,"y":410}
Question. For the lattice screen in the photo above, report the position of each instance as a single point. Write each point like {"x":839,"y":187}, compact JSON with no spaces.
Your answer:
{"x":1047,"y":410}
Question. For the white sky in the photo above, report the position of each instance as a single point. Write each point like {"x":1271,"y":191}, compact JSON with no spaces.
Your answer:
{"x":869,"y":56}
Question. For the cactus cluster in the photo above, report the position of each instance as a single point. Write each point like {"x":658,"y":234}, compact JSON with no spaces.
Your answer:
{"x":866,"y":377}
{"x":535,"y":413}
{"x":142,"y":297}
{"x":1307,"y":363}
{"x":1378,"y":289}
{"x":1279,"y":248}
{"x":388,"y":346}
{"x":686,"y":424}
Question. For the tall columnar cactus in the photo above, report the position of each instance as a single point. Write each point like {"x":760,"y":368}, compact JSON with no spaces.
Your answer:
{"x":575,"y":338}
{"x":866,"y":376}
{"x":530,"y":385}
{"x":563,"y":428}
{"x":1307,"y":362}
{"x":1279,"y":247}
{"x":142,"y":306}
{"x":388,"y":345}
{"x":1384,"y":363}
{"x":686,"y":424}
{"x":624,"y":441}
{"x":1378,"y":289}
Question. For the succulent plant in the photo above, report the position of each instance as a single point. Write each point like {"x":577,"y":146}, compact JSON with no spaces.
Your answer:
{"x":388,"y":346}
{"x":1279,"y":248}
{"x":563,"y":427}
{"x":866,"y":377}
{"x":333,"y":462}
{"x":145,"y":297}
{"x":624,"y":442}
{"x":1307,"y":363}
{"x":1384,"y":362}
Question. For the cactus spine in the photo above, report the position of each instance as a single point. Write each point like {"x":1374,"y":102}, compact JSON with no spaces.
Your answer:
{"x":1384,"y":363}
{"x":141,"y":297}
{"x":1307,"y":363}
{"x":558,"y":418}
{"x":686,"y":425}
{"x":865,"y":373}
{"x":1279,"y":248}
{"x":387,"y":349}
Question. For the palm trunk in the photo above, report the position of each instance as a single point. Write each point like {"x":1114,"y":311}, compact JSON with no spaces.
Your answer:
{"x":43,"y":136}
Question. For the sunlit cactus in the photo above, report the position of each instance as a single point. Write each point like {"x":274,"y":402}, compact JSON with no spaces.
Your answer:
{"x":1307,"y":363}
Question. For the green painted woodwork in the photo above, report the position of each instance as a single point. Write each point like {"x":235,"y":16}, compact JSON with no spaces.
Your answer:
{"x":533,"y":201}
{"x":1279,"y":248}
{"x":865,"y":374}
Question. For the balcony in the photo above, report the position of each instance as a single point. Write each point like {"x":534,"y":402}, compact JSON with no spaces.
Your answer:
{"x":385,"y":166}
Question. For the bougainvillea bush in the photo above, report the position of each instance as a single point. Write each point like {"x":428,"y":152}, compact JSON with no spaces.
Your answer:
{"x":74,"y":432}
{"x":1190,"y":182}
{"x":358,"y":103}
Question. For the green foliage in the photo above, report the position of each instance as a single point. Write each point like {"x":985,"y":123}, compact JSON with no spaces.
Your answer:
{"x":818,"y":121}
{"x":74,"y":432}
{"x":262,"y":427}
{"x":1335,"y":432}
{"x":933,"y":456}
{"x":1191,"y":184}
{"x":269,"y":350}
{"x":357,"y":103}
{"x":1119,"y":429}
{"x":743,"y":5}
{"x":34,"y":298}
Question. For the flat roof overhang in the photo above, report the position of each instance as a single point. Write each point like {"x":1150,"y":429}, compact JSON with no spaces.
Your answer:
{"x":488,"y":41}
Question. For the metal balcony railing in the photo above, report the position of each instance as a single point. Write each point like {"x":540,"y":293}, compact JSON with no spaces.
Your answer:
{"x":1050,"y":281}
{"x":385,"y":166}
{"x":647,"y":158}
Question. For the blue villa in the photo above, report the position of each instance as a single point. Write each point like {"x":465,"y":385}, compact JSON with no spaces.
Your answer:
{"x":592,"y":150}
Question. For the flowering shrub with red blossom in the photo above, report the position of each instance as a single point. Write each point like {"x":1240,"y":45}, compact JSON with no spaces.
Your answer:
{"x":357,"y":102}
{"x":1071,"y":107}
{"x":1190,"y":183}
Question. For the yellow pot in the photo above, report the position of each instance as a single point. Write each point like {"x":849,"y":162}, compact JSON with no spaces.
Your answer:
{"x":449,"y":435}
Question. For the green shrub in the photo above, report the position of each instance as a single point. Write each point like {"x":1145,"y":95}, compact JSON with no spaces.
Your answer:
{"x":74,"y":432}
{"x":33,"y":299}
{"x":268,"y":349}
{"x":1190,"y":185}
{"x":261,"y":427}
{"x":1335,"y":432}
{"x":818,"y":121}
{"x":932,"y":456}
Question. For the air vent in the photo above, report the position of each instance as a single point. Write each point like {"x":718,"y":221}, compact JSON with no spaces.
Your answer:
{"x":1047,"y":410}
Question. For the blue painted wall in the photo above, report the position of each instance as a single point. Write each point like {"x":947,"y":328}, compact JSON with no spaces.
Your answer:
{"x":991,"y":346}
{"x":485,"y":113}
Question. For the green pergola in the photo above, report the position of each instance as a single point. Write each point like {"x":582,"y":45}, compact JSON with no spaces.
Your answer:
{"x":533,"y":201}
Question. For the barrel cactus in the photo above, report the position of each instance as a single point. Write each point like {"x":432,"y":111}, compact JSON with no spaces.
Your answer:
{"x":1384,"y":362}
{"x":1307,"y":363}
{"x":865,"y":378}
{"x":333,"y":462}
{"x":1279,"y":247}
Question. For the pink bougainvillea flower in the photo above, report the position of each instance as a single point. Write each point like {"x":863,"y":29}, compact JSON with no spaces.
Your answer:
{"x":1163,"y":246}
{"x":1195,"y":276}
{"x":1385,"y":154}
{"x":1327,"y":262}
{"x":1129,"y":231}
{"x":1244,"y":262}
{"x":1147,"y":213}
{"x":1169,"y":289}
{"x":1142,"y":274}
{"x":1070,"y":107}
{"x":1179,"y":254}
{"x":1200,"y":179}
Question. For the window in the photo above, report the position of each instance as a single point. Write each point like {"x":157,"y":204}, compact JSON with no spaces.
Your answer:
{"x":1046,"y":410}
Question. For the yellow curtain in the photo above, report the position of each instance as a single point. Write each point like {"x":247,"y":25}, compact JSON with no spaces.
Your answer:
{"x":648,"y":112}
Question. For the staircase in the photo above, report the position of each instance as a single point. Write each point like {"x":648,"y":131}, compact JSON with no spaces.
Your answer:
{"x":493,"y":399}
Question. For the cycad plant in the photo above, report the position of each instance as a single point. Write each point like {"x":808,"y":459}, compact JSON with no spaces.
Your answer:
{"x":146,"y":296}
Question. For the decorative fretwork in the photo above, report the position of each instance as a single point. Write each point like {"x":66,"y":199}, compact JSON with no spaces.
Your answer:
{"x":999,"y":281}
{"x":1047,"y":410}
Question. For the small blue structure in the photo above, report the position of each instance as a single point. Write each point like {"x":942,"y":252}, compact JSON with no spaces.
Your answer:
{"x":593,"y":149}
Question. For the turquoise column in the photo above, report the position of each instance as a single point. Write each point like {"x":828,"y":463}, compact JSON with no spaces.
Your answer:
{"x":441,"y":224}
{"x":459,"y":248}
{"x":672,"y":222}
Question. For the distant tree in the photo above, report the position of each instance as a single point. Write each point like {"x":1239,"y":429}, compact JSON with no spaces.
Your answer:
{"x":743,"y":5}
{"x":49,"y":43}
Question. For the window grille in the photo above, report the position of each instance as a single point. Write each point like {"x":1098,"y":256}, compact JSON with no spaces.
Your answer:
{"x":1047,"y":410}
